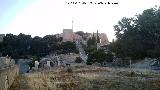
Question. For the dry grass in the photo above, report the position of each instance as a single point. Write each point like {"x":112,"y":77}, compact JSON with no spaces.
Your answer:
{"x":88,"y":78}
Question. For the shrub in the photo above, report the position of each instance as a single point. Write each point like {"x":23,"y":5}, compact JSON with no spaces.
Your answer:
{"x":99,"y":56}
{"x":78,"y":60}
{"x":69,"y":70}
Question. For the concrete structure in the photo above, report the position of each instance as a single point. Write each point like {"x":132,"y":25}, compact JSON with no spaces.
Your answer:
{"x":51,"y":61}
{"x":1,"y":37}
{"x":48,"y":63}
{"x":36,"y":65}
{"x":67,"y":35}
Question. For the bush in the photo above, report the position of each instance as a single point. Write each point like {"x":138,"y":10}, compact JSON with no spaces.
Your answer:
{"x":69,"y":70}
{"x":78,"y":60}
{"x":99,"y":56}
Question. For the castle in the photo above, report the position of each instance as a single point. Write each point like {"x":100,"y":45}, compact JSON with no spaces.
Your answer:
{"x":69,"y":35}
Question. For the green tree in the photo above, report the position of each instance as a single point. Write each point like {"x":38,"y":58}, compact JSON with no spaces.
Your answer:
{"x":91,"y":42}
{"x":99,"y":56}
{"x":81,"y":33}
{"x":78,"y":60}
{"x":138,"y":37}
{"x":68,"y":47}
{"x":22,"y":44}
{"x":39,"y":47}
{"x":8,"y":45}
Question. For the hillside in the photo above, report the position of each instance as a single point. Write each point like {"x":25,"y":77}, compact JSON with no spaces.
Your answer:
{"x":89,"y":78}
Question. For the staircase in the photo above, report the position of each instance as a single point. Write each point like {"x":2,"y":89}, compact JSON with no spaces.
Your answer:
{"x":82,"y":53}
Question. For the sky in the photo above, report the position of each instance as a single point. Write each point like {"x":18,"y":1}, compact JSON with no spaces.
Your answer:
{"x":44,"y":17}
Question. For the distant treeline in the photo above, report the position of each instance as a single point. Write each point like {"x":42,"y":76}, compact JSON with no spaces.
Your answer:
{"x":24,"y":46}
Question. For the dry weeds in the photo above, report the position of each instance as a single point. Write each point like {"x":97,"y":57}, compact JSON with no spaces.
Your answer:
{"x":88,"y":78}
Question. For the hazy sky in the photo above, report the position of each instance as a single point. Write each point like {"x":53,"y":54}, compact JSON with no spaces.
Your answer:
{"x":41,"y":17}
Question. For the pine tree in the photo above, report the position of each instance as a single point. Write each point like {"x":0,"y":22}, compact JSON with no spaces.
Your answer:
{"x":98,"y":39}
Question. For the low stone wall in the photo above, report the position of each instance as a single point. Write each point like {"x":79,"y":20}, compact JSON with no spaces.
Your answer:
{"x":7,"y":76}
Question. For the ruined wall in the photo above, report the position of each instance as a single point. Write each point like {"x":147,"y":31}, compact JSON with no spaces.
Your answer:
{"x":7,"y":76}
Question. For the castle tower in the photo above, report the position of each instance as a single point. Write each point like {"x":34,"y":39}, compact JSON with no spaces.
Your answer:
{"x":67,"y":35}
